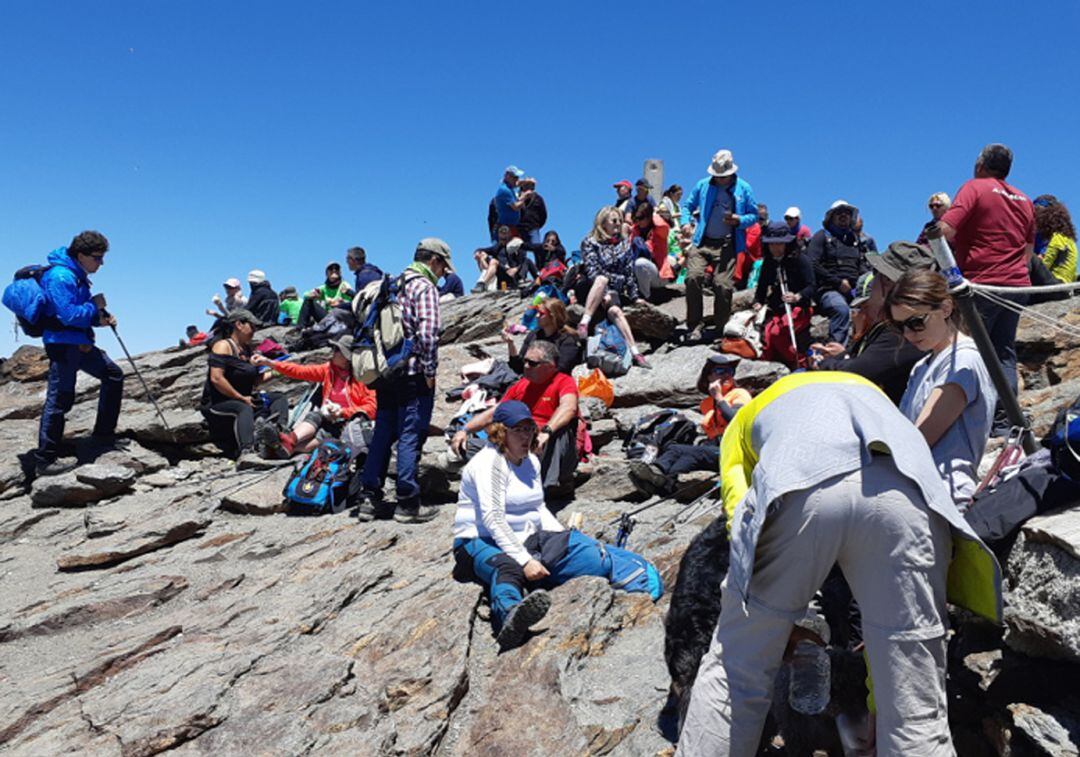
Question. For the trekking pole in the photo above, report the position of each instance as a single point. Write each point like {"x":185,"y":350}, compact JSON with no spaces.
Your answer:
{"x":684,"y":515}
{"x":142,"y":381}
{"x":787,"y":309}
{"x":964,"y":296}
{"x":662,"y":500}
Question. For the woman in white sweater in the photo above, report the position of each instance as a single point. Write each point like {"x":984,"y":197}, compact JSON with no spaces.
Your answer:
{"x":507,"y":540}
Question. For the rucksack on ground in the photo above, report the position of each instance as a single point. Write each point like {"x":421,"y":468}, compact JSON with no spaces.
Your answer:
{"x":608,"y":351}
{"x":26,"y":299}
{"x":380,"y":349}
{"x":321,"y":485}
{"x":632,"y":572}
{"x":659,"y":430}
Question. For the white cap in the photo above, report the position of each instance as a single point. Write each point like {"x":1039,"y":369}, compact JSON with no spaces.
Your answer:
{"x":793,"y":212}
{"x":256,"y":277}
{"x":234,"y":283}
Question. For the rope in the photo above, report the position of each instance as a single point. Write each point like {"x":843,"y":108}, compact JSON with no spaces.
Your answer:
{"x":1025,"y":290}
{"x":1023,"y":310}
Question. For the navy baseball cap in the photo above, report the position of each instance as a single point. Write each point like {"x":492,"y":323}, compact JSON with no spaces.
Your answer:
{"x":512,"y":412}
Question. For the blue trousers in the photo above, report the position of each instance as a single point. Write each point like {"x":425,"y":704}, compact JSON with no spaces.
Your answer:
{"x":566,"y":555}
{"x":403,"y":416}
{"x":835,"y":307}
{"x":65,"y":362}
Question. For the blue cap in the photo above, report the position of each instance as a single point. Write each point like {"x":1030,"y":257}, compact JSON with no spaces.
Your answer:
{"x":512,"y":412}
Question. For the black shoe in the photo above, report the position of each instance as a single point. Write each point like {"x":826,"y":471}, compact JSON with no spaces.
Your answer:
{"x":524,"y":614}
{"x":648,"y":477}
{"x":268,"y":441}
{"x":366,"y":511}
{"x":414,"y":512}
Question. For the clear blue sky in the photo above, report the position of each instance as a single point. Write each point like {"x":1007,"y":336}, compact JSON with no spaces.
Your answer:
{"x":206,"y":139}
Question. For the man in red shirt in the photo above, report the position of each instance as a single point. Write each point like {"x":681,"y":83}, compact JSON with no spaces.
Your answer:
{"x":552,"y":398}
{"x":991,"y":227}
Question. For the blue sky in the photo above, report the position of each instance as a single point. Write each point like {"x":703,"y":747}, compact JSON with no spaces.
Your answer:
{"x":206,"y":139}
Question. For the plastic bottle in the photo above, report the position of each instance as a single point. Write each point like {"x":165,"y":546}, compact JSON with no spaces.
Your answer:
{"x":810,"y":681}
{"x":651,"y":451}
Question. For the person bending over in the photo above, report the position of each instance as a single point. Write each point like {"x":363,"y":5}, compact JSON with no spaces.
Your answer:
{"x":505,"y":538}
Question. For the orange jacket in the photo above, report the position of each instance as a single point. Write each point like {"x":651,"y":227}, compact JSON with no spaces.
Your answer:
{"x":657,"y":242}
{"x":714,"y":424}
{"x":361,"y":399}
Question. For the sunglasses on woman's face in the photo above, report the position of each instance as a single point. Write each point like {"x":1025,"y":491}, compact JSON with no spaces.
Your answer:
{"x":915,"y":324}
{"x":934,"y":205}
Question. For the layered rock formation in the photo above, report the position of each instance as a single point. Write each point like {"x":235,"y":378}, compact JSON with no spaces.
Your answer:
{"x":156,"y":598}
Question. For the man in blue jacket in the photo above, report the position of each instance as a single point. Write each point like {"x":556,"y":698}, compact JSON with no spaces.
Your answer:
{"x":70,"y":317}
{"x":726,"y":207}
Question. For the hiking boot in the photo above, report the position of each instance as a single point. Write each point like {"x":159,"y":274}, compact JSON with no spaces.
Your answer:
{"x":54,"y":468}
{"x":524,"y":614}
{"x":478,"y":288}
{"x":268,"y":441}
{"x":648,"y":477}
{"x":414,"y":512}
{"x":365,"y":511}
{"x":641,"y":362}
{"x":695,"y":335}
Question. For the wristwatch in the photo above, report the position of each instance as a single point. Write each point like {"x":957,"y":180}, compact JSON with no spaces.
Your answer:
{"x":545,"y":429}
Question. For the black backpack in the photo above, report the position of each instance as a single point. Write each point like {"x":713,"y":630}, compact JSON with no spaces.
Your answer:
{"x":661,"y":430}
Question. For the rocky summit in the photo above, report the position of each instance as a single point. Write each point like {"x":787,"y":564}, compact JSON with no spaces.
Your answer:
{"x":157,"y":598}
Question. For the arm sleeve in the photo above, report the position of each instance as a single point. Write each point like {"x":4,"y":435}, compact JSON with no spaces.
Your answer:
{"x":301,"y":372}
{"x":816,"y":252}
{"x":765,"y":277}
{"x":590,"y":256}
{"x":747,"y":219}
{"x":428,"y":325}
{"x":517,"y":362}
{"x":690,"y":204}
{"x":362,"y":400}
{"x":62,"y":291}
{"x":549,"y":522}
{"x":736,"y":468}
{"x":961,"y":207}
{"x":569,"y":350}
{"x":491,"y":482}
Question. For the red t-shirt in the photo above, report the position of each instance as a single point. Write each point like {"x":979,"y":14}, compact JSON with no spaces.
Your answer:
{"x":542,"y":399}
{"x":994,"y":223}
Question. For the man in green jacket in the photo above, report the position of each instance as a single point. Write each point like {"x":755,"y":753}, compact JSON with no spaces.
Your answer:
{"x":332,"y":293}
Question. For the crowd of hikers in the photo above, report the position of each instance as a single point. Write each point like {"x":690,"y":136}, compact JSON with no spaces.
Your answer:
{"x":870,"y":449}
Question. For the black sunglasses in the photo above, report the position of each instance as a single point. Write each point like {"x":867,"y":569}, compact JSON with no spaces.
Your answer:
{"x":530,"y":363}
{"x":915,"y":324}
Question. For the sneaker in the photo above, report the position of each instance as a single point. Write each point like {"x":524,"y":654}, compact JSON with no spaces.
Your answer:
{"x":478,"y":288}
{"x":268,"y":440}
{"x":648,"y":477}
{"x":414,"y":512}
{"x":521,"y":617}
{"x":54,"y":468}
{"x":641,"y":362}
{"x":365,"y":511}
{"x":695,"y":334}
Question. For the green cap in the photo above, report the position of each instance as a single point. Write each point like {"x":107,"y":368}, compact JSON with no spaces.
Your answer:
{"x":901,"y":257}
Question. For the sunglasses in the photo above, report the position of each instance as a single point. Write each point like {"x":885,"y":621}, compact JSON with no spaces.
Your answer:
{"x":529,"y":363}
{"x":936,"y":205}
{"x":915,"y":324}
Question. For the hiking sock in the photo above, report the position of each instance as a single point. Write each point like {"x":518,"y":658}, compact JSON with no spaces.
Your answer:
{"x":634,"y":350}
{"x":288,"y":441}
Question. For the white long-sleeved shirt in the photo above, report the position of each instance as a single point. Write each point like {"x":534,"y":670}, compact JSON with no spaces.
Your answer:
{"x":503,"y":502}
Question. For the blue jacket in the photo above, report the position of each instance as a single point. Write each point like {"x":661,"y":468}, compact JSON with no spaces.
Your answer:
{"x":367,"y":274}
{"x":67,"y":292}
{"x":702,"y":197}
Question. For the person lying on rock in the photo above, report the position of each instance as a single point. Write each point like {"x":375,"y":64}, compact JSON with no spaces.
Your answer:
{"x":346,"y":413}
{"x":551,"y":327}
{"x":722,"y":401}
{"x":231,"y":402}
{"x":507,"y":540}
{"x":552,"y":398}
{"x":786,"y":285}
{"x":608,"y":258}
{"x":861,"y":491}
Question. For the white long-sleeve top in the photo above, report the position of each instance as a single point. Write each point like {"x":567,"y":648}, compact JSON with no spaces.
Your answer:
{"x":503,"y":502}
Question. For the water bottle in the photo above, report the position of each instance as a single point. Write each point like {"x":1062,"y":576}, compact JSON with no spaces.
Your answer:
{"x":945,"y":260}
{"x":810,"y":681}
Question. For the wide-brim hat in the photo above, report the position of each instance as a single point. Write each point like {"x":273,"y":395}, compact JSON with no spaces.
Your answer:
{"x":343,"y":344}
{"x":241,"y":315}
{"x":723,"y":359}
{"x":901,"y":257}
{"x":777,"y":232}
{"x":723,"y":165}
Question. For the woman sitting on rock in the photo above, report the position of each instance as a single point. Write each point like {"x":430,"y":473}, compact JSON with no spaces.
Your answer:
{"x":230,"y":402}
{"x":551,"y":327}
{"x":346,"y":413}
{"x":608,"y":257}
{"x":507,"y":540}
{"x":949,"y":396}
{"x":787,"y":278}
{"x":722,"y":401}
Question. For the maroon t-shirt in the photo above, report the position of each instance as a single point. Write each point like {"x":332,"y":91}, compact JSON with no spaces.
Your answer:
{"x":542,"y":399}
{"x":994,"y":223}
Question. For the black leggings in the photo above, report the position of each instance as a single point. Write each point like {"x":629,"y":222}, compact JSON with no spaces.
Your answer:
{"x":232,"y":422}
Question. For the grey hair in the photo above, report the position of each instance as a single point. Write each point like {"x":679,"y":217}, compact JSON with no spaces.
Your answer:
{"x":548,"y":351}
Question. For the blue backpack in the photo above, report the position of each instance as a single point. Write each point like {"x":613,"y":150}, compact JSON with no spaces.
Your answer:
{"x":321,"y":485}
{"x":608,"y":351}
{"x":26,"y":299}
{"x":632,"y":572}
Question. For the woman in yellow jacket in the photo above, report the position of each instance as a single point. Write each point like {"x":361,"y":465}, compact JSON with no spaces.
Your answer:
{"x":821,"y":468}
{"x":1055,"y":230}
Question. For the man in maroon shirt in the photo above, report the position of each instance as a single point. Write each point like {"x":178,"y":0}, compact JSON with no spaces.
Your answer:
{"x":991,"y":226}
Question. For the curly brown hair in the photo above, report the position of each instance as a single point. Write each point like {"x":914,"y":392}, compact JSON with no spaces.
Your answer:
{"x":1052,"y":217}
{"x":496,"y":434}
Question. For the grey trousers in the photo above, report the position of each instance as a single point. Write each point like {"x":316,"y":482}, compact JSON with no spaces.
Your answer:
{"x":895,"y":554}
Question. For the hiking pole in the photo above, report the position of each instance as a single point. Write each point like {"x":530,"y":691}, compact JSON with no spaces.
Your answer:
{"x":142,"y":381}
{"x":654,"y":503}
{"x":683,"y":515}
{"x":964,"y":297}
{"x":787,"y":309}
